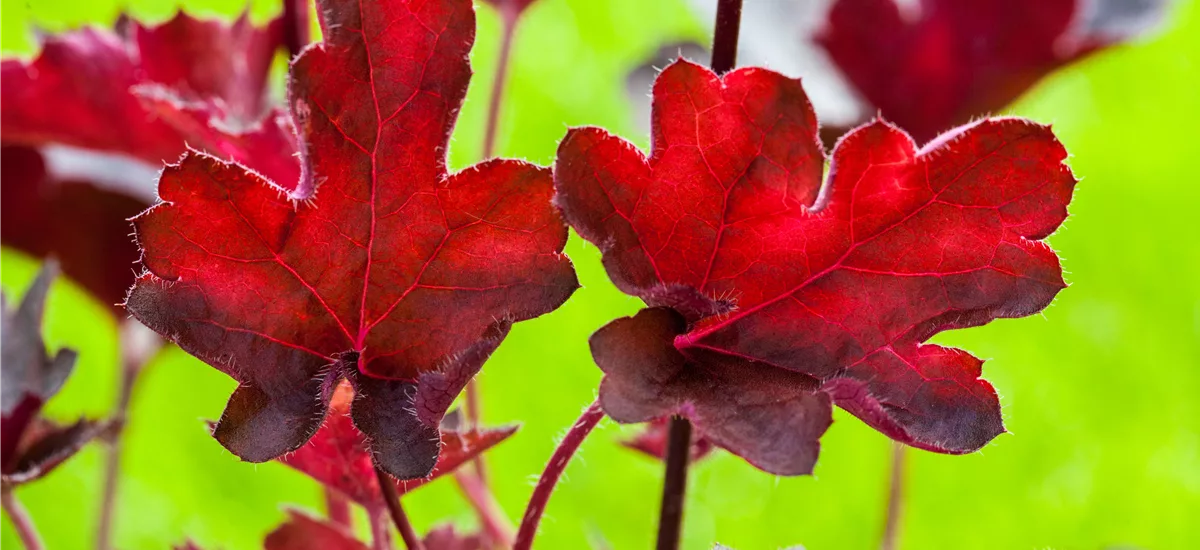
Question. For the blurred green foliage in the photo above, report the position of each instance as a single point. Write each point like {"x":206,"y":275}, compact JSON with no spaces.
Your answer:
{"x":1099,"y":393}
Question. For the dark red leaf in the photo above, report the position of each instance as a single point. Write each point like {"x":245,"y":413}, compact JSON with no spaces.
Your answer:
{"x":30,"y":376}
{"x":939,"y":64}
{"x":652,"y":441}
{"x":839,"y":284}
{"x":46,"y":445}
{"x":82,"y":224}
{"x":302,"y":532}
{"x":395,"y":274}
{"x":77,"y":91}
{"x":445,"y":537}
{"x":339,"y":457}
{"x":772,"y":417}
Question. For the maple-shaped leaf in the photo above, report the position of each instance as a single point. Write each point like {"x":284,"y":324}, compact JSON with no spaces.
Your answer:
{"x":339,"y":457}
{"x":303,"y":532}
{"x":820,"y":290}
{"x":395,"y":274}
{"x":653,"y":439}
{"x":937,"y":64}
{"x":79,"y":222}
{"x":78,"y":90}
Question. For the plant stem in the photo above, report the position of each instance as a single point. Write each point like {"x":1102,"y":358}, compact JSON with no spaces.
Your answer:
{"x":20,"y":520}
{"x":679,"y":447}
{"x":295,"y":25}
{"x":491,"y":517}
{"x":725,"y":35}
{"x":895,"y":502}
{"x":337,"y":508}
{"x":138,"y":347}
{"x":381,"y":531}
{"x":554,"y":469}
{"x":407,"y":534}
{"x":509,"y":17}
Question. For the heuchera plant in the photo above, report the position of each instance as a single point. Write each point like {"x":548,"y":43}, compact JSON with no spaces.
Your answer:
{"x":322,"y":255}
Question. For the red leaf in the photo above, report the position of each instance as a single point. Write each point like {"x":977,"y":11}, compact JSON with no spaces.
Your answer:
{"x":652,"y":441}
{"x":445,"y":537}
{"x":943,"y":62}
{"x":302,"y":532}
{"x":81,"y":224}
{"x":77,"y":91}
{"x":30,"y":376}
{"x":339,"y":457}
{"x":397,"y":275}
{"x":840,"y":290}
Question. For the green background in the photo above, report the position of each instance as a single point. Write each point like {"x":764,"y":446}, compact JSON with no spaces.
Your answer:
{"x":1099,"y":392}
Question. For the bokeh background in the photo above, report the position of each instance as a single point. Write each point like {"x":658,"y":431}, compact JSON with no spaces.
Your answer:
{"x":1100,"y":392}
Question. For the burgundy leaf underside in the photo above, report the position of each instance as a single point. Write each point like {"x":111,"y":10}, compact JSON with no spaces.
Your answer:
{"x":939,"y":64}
{"x":394,"y":274}
{"x":838,"y":285}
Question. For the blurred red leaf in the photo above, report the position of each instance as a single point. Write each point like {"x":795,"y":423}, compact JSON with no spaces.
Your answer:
{"x":45,"y":445}
{"x":396,"y":275}
{"x":940,"y":63}
{"x":78,"y":90}
{"x":339,"y":457}
{"x":82,"y":224}
{"x":811,"y":287}
{"x":446,"y":537}
{"x":302,"y":532}
{"x":144,"y":93}
{"x":652,"y":441}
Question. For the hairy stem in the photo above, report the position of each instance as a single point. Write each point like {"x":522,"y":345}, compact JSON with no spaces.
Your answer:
{"x":895,"y":502}
{"x":337,"y":507}
{"x":491,"y":517}
{"x":554,"y":470}
{"x":725,"y":36}
{"x":509,"y":16}
{"x":670,"y":518}
{"x":381,"y":529}
{"x":407,"y":534}
{"x":20,"y":520}
{"x":296,"y":28}
{"x":138,"y":347}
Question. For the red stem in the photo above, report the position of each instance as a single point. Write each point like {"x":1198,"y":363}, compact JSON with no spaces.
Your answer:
{"x":679,"y":447}
{"x":138,"y":347}
{"x":725,"y":36}
{"x":895,"y":503}
{"x":381,"y":532}
{"x":554,"y":470}
{"x":407,"y":534}
{"x":491,"y":517}
{"x":20,"y":520}
{"x":509,"y":17}
{"x":337,"y":507}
